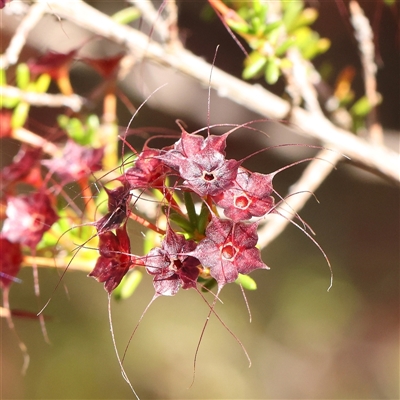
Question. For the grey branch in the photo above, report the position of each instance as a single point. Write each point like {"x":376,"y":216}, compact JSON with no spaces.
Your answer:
{"x":74,"y":102}
{"x":253,"y":97}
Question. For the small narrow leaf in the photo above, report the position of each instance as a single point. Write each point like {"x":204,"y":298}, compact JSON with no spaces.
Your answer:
{"x":23,"y":76}
{"x":42,"y":83}
{"x":307,"y":17}
{"x":208,"y":285}
{"x":126,"y":16}
{"x":20,"y":114}
{"x":191,"y":211}
{"x":361,"y":107}
{"x":203,"y":219}
{"x":246,"y":282}
{"x":282,"y":48}
{"x":272,"y":70}
{"x":254,"y":65}
{"x":3,"y":77}
{"x":181,"y":221}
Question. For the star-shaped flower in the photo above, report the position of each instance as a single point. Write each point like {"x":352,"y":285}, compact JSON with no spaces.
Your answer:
{"x":171,"y":266}
{"x":228,"y":249}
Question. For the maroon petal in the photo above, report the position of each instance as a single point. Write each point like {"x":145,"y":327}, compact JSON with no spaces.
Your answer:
{"x":229,"y":249}
{"x":115,"y":258}
{"x":10,"y":261}
{"x":75,"y":162}
{"x":28,"y":218}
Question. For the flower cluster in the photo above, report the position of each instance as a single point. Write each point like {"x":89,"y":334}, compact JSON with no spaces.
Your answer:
{"x":214,"y":243}
{"x":196,"y":244}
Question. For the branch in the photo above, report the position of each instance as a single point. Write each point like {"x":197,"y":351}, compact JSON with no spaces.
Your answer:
{"x":364,"y":36}
{"x":253,"y":97}
{"x":298,"y":195}
{"x":33,"y":16}
{"x":74,"y":102}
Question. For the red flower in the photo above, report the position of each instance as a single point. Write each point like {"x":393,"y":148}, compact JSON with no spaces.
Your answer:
{"x":229,"y":249}
{"x":24,"y":167}
{"x":115,"y":258}
{"x":75,"y":162}
{"x":10,"y":261}
{"x":148,"y":170}
{"x":201,"y":163}
{"x":52,"y":63}
{"x":171,"y":266}
{"x":28,"y":218}
{"x":118,"y":209}
{"x":106,"y":67}
{"x":249,"y":197}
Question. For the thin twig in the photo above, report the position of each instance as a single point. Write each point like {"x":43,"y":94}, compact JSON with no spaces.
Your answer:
{"x":298,"y":195}
{"x":172,"y":21}
{"x":32,"y":18}
{"x":74,"y":102}
{"x":26,"y":136}
{"x":364,"y":35}
{"x":61,"y":263}
{"x":153,"y":18}
{"x":253,"y":97}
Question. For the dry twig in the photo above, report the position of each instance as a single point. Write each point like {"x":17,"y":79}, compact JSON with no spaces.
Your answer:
{"x":74,"y":102}
{"x":364,"y":36}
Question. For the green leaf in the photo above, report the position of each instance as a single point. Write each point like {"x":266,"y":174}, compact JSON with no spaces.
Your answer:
{"x":180,"y":220}
{"x":128,"y":285}
{"x":42,"y":83}
{"x":208,"y":285}
{"x":254,"y":64}
{"x":191,"y":211}
{"x":62,"y":120}
{"x":246,"y":282}
{"x":126,"y":16}
{"x":92,"y":124}
{"x":239,"y":27}
{"x":282,"y":48}
{"x":3,"y":77}
{"x":304,"y":37}
{"x":20,"y":114}
{"x":292,"y":10}
{"x":203,"y":219}
{"x":315,"y":47}
{"x":23,"y":76}
{"x":273,"y":26}
{"x":361,"y":107}
{"x":9,"y":102}
{"x":307,"y":17}
{"x":272,"y":70}
{"x":76,"y":131}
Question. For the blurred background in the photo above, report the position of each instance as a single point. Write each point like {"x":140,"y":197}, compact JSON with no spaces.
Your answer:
{"x":304,"y":342}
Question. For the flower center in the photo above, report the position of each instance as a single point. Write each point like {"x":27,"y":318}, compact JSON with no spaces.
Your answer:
{"x":38,"y":221}
{"x":242,"y":202}
{"x":229,"y":252}
{"x":208,"y":176}
{"x":175,"y":264}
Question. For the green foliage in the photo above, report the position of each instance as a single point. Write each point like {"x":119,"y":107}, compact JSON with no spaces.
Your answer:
{"x":84,"y":133}
{"x":271,"y":34}
{"x":23,"y":82}
{"x":126,"y":16}
{"x":247,"y":282}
